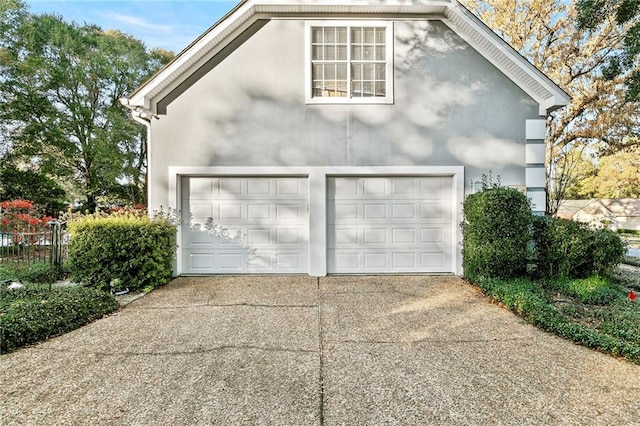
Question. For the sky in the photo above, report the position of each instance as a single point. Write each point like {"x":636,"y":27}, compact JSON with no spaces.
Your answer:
{"x":169,"y":24}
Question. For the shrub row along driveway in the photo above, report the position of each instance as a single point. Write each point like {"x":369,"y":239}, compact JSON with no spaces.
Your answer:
{"x":307,"y":351}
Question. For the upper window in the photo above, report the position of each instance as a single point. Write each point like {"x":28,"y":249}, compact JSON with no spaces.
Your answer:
{"x":349,"y":62}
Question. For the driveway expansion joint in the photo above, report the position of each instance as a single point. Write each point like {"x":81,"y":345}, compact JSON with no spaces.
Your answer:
{"x":406,"y":293}
{"x":182,"y":352}
{"x":321,"y":353}
{"x":426,"y":340}
{"x":224,"y":305}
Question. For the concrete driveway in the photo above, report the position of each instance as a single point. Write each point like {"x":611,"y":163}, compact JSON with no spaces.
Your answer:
{"x":306,"y":351}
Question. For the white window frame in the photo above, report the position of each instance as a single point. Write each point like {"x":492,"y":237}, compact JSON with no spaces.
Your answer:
{"x":388,"y":99}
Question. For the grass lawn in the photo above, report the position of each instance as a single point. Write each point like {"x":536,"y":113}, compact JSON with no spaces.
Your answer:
{"x":595,"y":312}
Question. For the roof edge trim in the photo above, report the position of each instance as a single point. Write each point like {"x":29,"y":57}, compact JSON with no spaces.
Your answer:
{"x":534,"y":82}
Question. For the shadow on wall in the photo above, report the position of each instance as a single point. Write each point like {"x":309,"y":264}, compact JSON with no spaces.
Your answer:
{"x":450,"y":107}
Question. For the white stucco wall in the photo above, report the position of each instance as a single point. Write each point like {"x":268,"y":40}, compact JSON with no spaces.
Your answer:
{"x":451,"y":108}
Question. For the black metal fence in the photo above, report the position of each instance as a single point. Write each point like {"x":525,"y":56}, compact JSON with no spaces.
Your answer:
{"x":35,"y":247}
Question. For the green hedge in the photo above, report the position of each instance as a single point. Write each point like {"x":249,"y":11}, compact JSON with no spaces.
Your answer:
{"x":563,"y":248}
{"x":496,"y":231}
{"x":136,"y":252}
{"x":33,"y":314}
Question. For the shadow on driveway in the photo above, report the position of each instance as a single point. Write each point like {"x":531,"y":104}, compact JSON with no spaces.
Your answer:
{"x":298,"y":350}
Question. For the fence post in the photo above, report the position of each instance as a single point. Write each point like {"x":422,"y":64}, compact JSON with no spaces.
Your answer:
{"x":55,"y":255}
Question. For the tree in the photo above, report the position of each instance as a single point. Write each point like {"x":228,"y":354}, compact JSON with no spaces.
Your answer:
{"x":618,"y":176}
{"x":577,"y":166}
{"x":31,"y":185}
{"x":60,"y":90}
{"x":626,"y":13}
{"x":599,"y":116}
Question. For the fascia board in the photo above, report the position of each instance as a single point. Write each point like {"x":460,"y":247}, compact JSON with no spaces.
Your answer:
{"x":523,"y":73}
{"x":245,"y":14}
{"x":189,"y":57}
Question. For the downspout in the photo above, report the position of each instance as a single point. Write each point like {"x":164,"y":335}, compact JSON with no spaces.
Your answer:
{"x":144,"y":116}
{"x":141,"y":116}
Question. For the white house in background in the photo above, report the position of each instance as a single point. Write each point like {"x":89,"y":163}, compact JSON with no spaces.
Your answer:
{"x":339,"y":136}
{"x":620,"y":213}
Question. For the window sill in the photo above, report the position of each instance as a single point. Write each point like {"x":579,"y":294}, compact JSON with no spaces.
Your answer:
{"x":349,"y":101}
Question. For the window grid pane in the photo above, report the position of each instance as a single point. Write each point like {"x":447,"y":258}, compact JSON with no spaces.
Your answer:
{"x":334,"y":55}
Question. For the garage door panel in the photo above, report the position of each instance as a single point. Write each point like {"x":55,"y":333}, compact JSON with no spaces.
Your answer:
{"x":389,"y":224}
{"x":231,"y":237}
{"x":259,"y":212}
{"x":200,"y":238}
{"x":230,"y":186}
{"x":203,"y":211}
{"x":246,"y":225}
{"x":403,"y":211}
{"x":432,"y":260}
{"x":288,"y":261}
{"x":289,"y":211}
{"x":403,"y":186}
{"x":288,"y":187}
{"x":231,"y":212}
{"x":287,"y":236}
{"x":343,"y":236}
{"x":374,"y":236}
{"x":229,"y":260}
{"x":406,"y":260}
{"x":435,"y":212}
{"x":345,"y":261}
{"x":343,"y":187}
{"x":258,"y":186}
{"x":435,"y":188}
{"x":373,"y":260}
{"x":200,"y":261}
{"x":375,"y":211}
{"x":201,"y":187}
{"x":345,"y":212}
{"x":403,"y":235}
{"x":433,"y":235}
{"x":374,"y":187}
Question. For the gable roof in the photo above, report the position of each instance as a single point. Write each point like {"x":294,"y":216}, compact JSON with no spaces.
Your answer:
{"x":227,"y":34}
{"x":619,"y":207}
{"x":568,"y":208}
{"x":615,"y":207}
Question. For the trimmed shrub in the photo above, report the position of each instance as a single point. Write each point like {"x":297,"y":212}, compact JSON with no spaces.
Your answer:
{"x":608,"y":251}
{"x":33,"y":314}
{"x":560,"y":247}
{"x":496,"y":231}
{"x":136,"y":251}
{"x":563,"y":248}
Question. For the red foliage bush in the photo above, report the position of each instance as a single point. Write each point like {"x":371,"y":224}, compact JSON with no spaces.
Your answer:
{"x":20,"y":219}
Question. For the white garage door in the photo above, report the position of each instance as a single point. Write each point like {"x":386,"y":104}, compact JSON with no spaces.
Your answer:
{"x":245,"y":225}
{"x":390,"y":224}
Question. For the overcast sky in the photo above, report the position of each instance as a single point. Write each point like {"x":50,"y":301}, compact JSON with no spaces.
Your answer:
{"x":171,"y":24}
